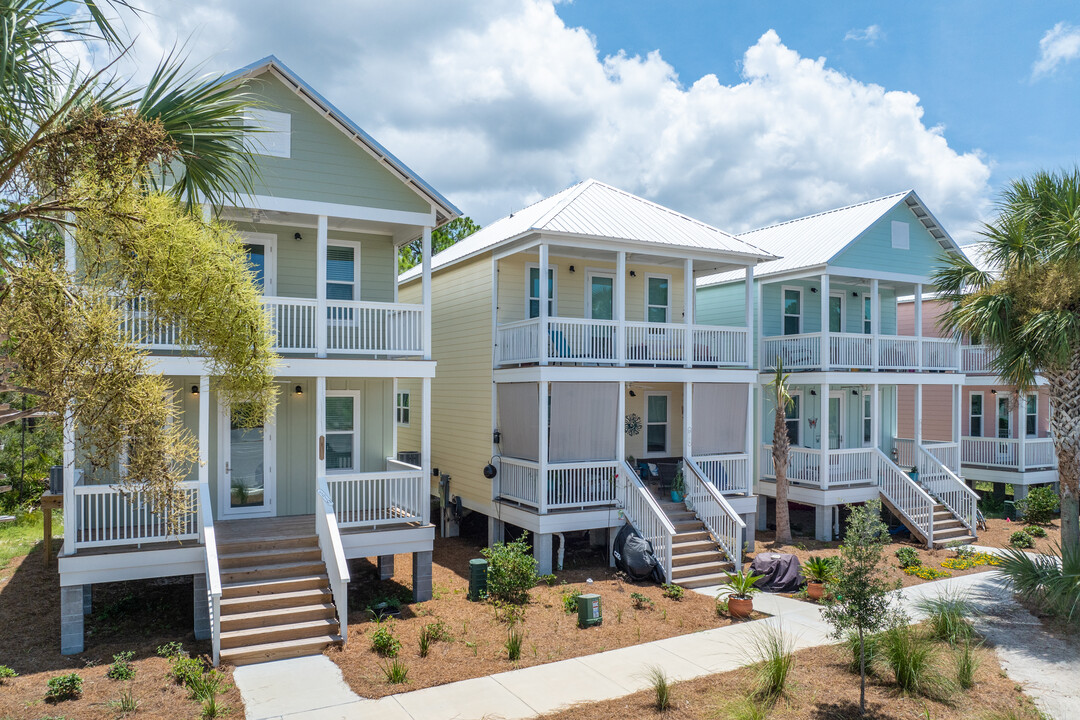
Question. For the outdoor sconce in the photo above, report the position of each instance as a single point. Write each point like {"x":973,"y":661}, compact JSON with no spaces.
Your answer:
{"x":571,"y":268}
{"x":434,"y":472}
{"x":993,"y":392}
{"x":195,"y":390}
{"x":854,"y":294}
{"x":855,"y":393}
{"x":813,"y":290}
{"x":633,"y":394}
{"x":814,"y":393}
{"x":299,"y":390}
{"x":297,"y":237}
{"x":490,"y":471}
{"x":633,"y":274}
{"x":496,"y":437}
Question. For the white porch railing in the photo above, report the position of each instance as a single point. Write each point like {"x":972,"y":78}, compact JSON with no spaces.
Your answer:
{"x":333,"y":554}
{"x":847,"y":466}
{"x":565,"y":485}
{"x":804,"y":464}
{"x":353,"y":327}
{"x":213,"y":572}
{"x":116,"y":515}
{"x":371,"y":499}
{"x":1038,"y":453}
{"x":851,"y":466}
{"x":641,"y":510}
{"x":977,"y":359}
{"x":942,"y":483}
{"x":718,"y":517}
{"x":855,"y":351}
{"x":600,"y":341}
{"x":519,"y":480}
{"x":729,"y":473}
{"x":904,"y":494}
{"x":945,"y":452}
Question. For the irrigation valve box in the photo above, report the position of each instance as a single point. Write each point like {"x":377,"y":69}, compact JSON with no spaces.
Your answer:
{"x":588,"y":610}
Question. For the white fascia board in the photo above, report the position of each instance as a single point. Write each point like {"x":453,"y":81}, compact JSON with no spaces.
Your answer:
{"x":307,"y":367}
{"x":992,"y":380}
{"x":338,"y":210}
{"x":819,"y":497}
{"x":742,"y":504}
{"x":770,"y":278}
{"x":568,"y":521}
{"x":867,"y":378}
{"x":1005,"y":475}
{"x":643,"y":247}
{"x":126,"y":564}
{"x":562,"y":373}
{"x":387,"y":542}
{"x":835,"y":271}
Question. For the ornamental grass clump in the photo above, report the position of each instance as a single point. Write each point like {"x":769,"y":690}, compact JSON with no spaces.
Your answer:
{"x":774,"y":653}
{"x":912,"y":657}
{"x":661,"y":686}
{"x":947,"y":615}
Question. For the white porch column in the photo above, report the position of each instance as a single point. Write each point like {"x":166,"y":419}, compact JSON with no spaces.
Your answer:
{"x":542,"y":453}
{"x":543,"y":301}
{"x":826,"y":360}
{"x":393,"y":419}
{"x":320,"y":287}
{"x":688,"y":312}
{"x":425,"y":243}
{"x":620,"y":438}
{"x":72,"y":511}
{"x":875,"y":322}
{"x":425,"y":441}
{"x":750,"y":318}
{"x":759,"y":419}
{"x":320,"y":427}
{"x":1021,"y":411}
{"x":204,"y":429}
{"x":823,"y":424}
{"x":69,"y":247}
{"x":687,"y":423}
{"x":875,"y":414}
{"x":620,"y":308}
{"x":750,"y":458}
{"x":918,"y":325}
{"x":918,"y":419}
{"x":759,"y":330}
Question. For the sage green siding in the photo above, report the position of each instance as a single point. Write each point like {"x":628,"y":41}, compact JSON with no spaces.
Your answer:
{"x":324,"y":164}
{"x":873,"y":249}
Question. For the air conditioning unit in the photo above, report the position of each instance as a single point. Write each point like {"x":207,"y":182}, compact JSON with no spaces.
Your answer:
{"x":410,"y":457}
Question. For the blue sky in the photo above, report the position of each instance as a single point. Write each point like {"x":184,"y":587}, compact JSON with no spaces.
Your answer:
{"x":738,"y":113}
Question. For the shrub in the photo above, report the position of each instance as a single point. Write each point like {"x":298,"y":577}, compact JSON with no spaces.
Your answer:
{"x":1051,"y":581}
{"x":64,"y":687}
{"x":912,"y":657}
{"x":6,"y":672}
{"x":511,"y":571}
{"x":721,"y":607}
{"x":396,"y":672}
{"x":1021,"y":540}
{"x":569,"y":601}
{"x":908,"y":558}
{"x":205,"y":689}
{"x":1035,"y":531}
{"x":549,"y":579}
{"x":673,"y":592}
{"x":926,"y":572}
{"x":432,"y":633}
{"x":121,"y":668}
{"x":513,"y":644}
{"x":185,"y":670}
{"x":661,"y":687}
{"x":774,"y":651}
{"x":1040,"y":505}
{"x":818,"y":569}
{"x":170,"y":650}
{"x":383,"y":641}
{"x":967,"y":662}
{"x":641,"y":602}
{"x":948,"y":615}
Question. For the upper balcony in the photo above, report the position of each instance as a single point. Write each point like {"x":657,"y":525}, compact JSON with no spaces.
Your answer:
{"x":610,"y":308}
{"x":864,"y":330}
{"x":977,"y":359}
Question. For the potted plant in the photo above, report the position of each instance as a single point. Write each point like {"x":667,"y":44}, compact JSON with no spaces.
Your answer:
{"x":678,"y":487}
{"x":913,"y":473}
{"x":740,"y":587}
{"x":817,"y":571}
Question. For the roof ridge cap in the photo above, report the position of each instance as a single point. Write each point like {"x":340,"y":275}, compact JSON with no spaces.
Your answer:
{"x":826,"y":212}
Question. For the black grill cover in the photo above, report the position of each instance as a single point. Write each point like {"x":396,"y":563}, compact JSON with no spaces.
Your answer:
{"x":781,"y":572}
{"x":634,"y":555}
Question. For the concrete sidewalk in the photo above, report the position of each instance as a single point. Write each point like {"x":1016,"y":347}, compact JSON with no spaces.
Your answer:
{"x":313,"y":687}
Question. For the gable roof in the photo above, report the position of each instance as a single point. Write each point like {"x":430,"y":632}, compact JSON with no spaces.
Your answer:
{"x":446,"y":210}
{"x":818,"y":239}
{"x":597,"y":210}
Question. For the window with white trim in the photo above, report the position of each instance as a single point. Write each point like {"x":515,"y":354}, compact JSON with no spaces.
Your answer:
{"x":657,"y":298}
{"x":793,"y":418}
{"x":401,"y":408}
{"x":1031,"y":415}
{"x":534,"y":290}
{"x":656,"y":424}
{"x":867,"y":315}
{"x":341,"y":271}
{"x":975,"y":414}
{"x":792,"y":311}
{"x":867,"y":420}
{"x":340,"y":433}
{"x":274,"y":133}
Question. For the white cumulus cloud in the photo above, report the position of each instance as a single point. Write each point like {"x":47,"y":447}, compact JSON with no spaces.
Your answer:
{"x":500,"y":103}
{"x":1059,"y":45}
{"x":869,"y":35}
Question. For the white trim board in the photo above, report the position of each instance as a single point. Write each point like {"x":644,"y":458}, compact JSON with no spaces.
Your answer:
{"x":308,"y":367}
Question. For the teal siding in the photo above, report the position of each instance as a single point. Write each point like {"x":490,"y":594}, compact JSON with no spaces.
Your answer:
{"x":873,"y":249}
{"x":722,"y":305}
{"x":325,"y":165}
{"x":852,"y":399}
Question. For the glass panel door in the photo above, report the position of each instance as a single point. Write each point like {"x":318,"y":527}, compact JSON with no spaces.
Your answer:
{"x":657,"y":300}
{"x":1004,"y":429}
{"x":601,"y":293}
{"x":836,"y":313}
{"x":836,"y":421}
{"x":247,"y":472}
{"x":256,"y":257}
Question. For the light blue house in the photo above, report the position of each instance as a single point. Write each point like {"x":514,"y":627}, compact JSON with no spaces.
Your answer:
{"x":850,"y":372}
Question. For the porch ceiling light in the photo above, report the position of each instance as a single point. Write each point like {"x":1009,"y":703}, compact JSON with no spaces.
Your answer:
{"x":299,"y":390}
{"x":195,"y":390}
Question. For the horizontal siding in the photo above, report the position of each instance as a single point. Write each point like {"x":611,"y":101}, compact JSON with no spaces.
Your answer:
{"x":936,"y":412}
{"x":990,"y":410}
{"x":932,"y":310}
{"x":873,"y":249}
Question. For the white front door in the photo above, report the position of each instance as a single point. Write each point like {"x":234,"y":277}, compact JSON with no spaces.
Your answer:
{"x":248,"y":481}
{"x":261,"y":249}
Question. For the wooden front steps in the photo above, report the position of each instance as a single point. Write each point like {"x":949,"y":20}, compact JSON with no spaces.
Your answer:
{"x":696,"y":560}
{"x":948,"y":529}
{"x":275,"y":598}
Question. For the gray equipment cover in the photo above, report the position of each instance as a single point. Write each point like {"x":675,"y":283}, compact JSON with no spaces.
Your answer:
{"x":634,"y":555}
{"x":781,"y":572}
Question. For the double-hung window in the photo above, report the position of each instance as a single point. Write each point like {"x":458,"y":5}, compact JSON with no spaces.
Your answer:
{"x":657,"y":299}
{"x":656,"y":424}
{"x":792,"y":416}
{"x":402,"y":408}
{"x":1031,"y":415}
{"x":340,"y":432}
{"x":975,"y":414}
{"x":792,"y":311}
{"x":341,"y":275}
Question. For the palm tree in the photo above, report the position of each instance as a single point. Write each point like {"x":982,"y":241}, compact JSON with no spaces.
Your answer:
{"x":781,"y":395}
{"x":1027,"y":308}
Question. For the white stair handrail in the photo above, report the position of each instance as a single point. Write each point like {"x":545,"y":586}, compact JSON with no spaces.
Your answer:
{"x":714,"y":511}
{"x":213,"y":571}
{"x":333,"y":555}
{"x":905,"y":495}
{"x":948,"y":488}
{"x":644,"y":513}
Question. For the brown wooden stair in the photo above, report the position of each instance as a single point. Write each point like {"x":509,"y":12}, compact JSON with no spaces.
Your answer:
{"x":696,"y":559}
{"x":276,"y":601}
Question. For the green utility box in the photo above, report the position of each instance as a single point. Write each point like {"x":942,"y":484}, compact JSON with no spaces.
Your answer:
{"x":588,"y":610}
{"x":478,"y":579}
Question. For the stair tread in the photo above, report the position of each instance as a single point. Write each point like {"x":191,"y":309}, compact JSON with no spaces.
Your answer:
{"x":271,"y":582}
{"x":303,"y":567}
{"x":277,"y":597}
{"x":316,"y":644}
{"x":258,"y":554}
{"x":272,"y":613}
{"x":692,"y":544}
{"x":701,"y":566}
{"x":282,"y":627}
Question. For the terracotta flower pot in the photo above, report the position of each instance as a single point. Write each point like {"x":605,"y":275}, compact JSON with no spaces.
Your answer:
{"x":815,"y":590}
{"x":740,"y":607}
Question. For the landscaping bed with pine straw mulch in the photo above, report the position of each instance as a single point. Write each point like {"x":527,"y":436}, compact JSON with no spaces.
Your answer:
{"x":476,"y":633}
{"x":136,"y":617}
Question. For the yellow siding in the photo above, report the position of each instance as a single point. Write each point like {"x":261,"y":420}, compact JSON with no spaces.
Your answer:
{"x":570,"y":286}
{"x":635,"y":445}
{"x":461,"y":392}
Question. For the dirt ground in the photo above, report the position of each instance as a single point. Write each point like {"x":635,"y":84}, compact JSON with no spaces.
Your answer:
{"x":136,"y":616}
{"x":999,"y":530}
{"x":478,"y":640}
{"x":822,"y":689}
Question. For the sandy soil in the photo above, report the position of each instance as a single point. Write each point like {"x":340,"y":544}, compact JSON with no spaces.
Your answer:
{"x":999,"y":531}
{"x":478,"y":640}
{"x":136,"y":616}
{"x":822,"y":689}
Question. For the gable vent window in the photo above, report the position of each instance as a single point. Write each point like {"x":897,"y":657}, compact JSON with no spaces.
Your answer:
{"x":901,"y":235}
{"x":275,"y":129}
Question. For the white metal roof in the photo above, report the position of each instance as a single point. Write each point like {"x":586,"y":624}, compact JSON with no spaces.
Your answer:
{"x":594,"y":209}
{"x":815,"y":240}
